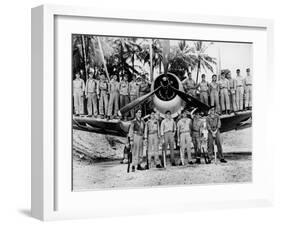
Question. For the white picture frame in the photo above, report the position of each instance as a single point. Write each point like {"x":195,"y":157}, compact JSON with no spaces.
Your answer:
{"x":50,"y":196}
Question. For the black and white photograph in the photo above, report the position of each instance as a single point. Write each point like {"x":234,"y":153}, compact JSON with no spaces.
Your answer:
{"x":160,"y":112}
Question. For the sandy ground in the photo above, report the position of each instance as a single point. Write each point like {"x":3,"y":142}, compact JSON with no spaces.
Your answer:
{"x":88,"y":175}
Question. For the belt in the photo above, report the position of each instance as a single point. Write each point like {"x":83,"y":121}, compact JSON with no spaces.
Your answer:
{"x":137,"y":133}
{"x":239,"y":86}
{"x":223,"y":88}
{"x":197,"y":131}
{"x":169,"y":131}
{"x":152,"y":132}
{"x":184,"y":132}
{"x":248,"y":84}
{"x":203,"y":91}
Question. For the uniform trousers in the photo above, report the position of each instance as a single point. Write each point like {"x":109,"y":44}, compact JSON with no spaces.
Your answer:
{"x":204,"y":97}
{"x":92,"y":104}
{"x":103,"y":102}
{"x":169,"y":140}
{"x":113,"y":101}
{"x":185,"y":141}
{"x":124,"y":100}
{"x":225,"y":105}
{"x":239,"y":97}
{"x":217,"y":142}
{"x":214,"y":95}
{"x":137,"y":149}
{"x":233,"y":103}
{"x":248,"y":96}
{"x":153,"y":147}
{"x":196,"y":144}
{"x":78,"y":102}
{"x":132,"y":98}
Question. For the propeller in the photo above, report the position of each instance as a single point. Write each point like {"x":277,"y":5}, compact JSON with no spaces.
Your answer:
{"x":136,"y":102}
{"x":191,"y":101}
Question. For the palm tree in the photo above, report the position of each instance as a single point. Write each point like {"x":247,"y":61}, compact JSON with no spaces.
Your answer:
{"x":182,"y":59}
{"x":157,"y":56}
{"x":202,"y":59}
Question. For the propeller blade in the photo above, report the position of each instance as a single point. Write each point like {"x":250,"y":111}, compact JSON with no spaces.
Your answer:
{"x":191,"y":101}
{"x":136,"y":102}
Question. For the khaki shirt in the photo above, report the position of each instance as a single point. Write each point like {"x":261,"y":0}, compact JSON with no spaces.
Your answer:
{"x":79,"y":85}
{"x":91,"y":86}
{"x":214,"y":86}
{"x":102,"y":86}
{"x":144,"y":88}
{"x":113,"y":86}
{"x":196,"y":124}
{"x":167,"y":125}
{"x":189,"y":84}
{"x":136,"y":128}
{"x":224,"y":84}
{"x":232,"y":83}
{"x":239,"y":81}
{"x":213,"y":123}
{"x":183,"y":125}
{"x":151,"y":127}
{"x":133,"y":88}
{"x":248,"y":80}
{"x":204,"y":86}
{"x":124,"y":88}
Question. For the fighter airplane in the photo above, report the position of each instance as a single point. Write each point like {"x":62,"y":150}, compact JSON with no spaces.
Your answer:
{"x":167,"y":94}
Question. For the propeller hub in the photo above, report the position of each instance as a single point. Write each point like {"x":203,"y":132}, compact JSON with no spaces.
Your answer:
{"x":164,"y":81}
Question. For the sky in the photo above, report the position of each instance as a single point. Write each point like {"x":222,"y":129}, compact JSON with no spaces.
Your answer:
{"x":231,"y":56}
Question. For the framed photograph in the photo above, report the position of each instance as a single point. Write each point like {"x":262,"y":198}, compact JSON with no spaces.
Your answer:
{"x":147,"y":112}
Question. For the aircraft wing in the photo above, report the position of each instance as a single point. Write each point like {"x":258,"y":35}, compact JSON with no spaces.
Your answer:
{"x":102,"y":126}
{"x":236,"y":121}
{"x":240,"y":120}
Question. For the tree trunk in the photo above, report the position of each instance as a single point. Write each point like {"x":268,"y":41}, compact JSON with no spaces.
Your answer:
{"x":84,"y":56}
{"x":151,"y":61}
{"x":198,"y":70}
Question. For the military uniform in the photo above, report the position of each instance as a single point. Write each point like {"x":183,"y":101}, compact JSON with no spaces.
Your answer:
{"x":168,"y":128}
{"x":214,"y":95}
{"x":204,"y":136}
{"x":113,"y":98}
{"x":144,"y":89}
{"x":136,"y":133}
{"x":239,"y":92}
{"x":232,"y":88}
{"x":195,"y":133}
{"x":134,"y":93}
{"x":91,"y":94}
{"x":190,"y":87}
{"x":152,"y":134}
{"x":124,"y":94}
{"x":102,"y":91}
{"x":248,"y":91}
{"x":214,"y":123}
{"x":224,"y":87}
{"x":183,"y":127}
{"x":204,"y":88}
{"x":78,"y":92}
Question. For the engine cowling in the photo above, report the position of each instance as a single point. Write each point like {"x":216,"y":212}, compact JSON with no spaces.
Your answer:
{"x":166,"y":99}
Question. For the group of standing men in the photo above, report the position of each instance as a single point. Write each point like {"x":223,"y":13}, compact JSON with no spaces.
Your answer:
{"x":105,"y":98}
{"x":202,"y":131}
{"x":227,"y":94}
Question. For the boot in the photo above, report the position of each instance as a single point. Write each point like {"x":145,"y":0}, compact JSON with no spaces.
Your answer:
{"x":198,"y":161}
